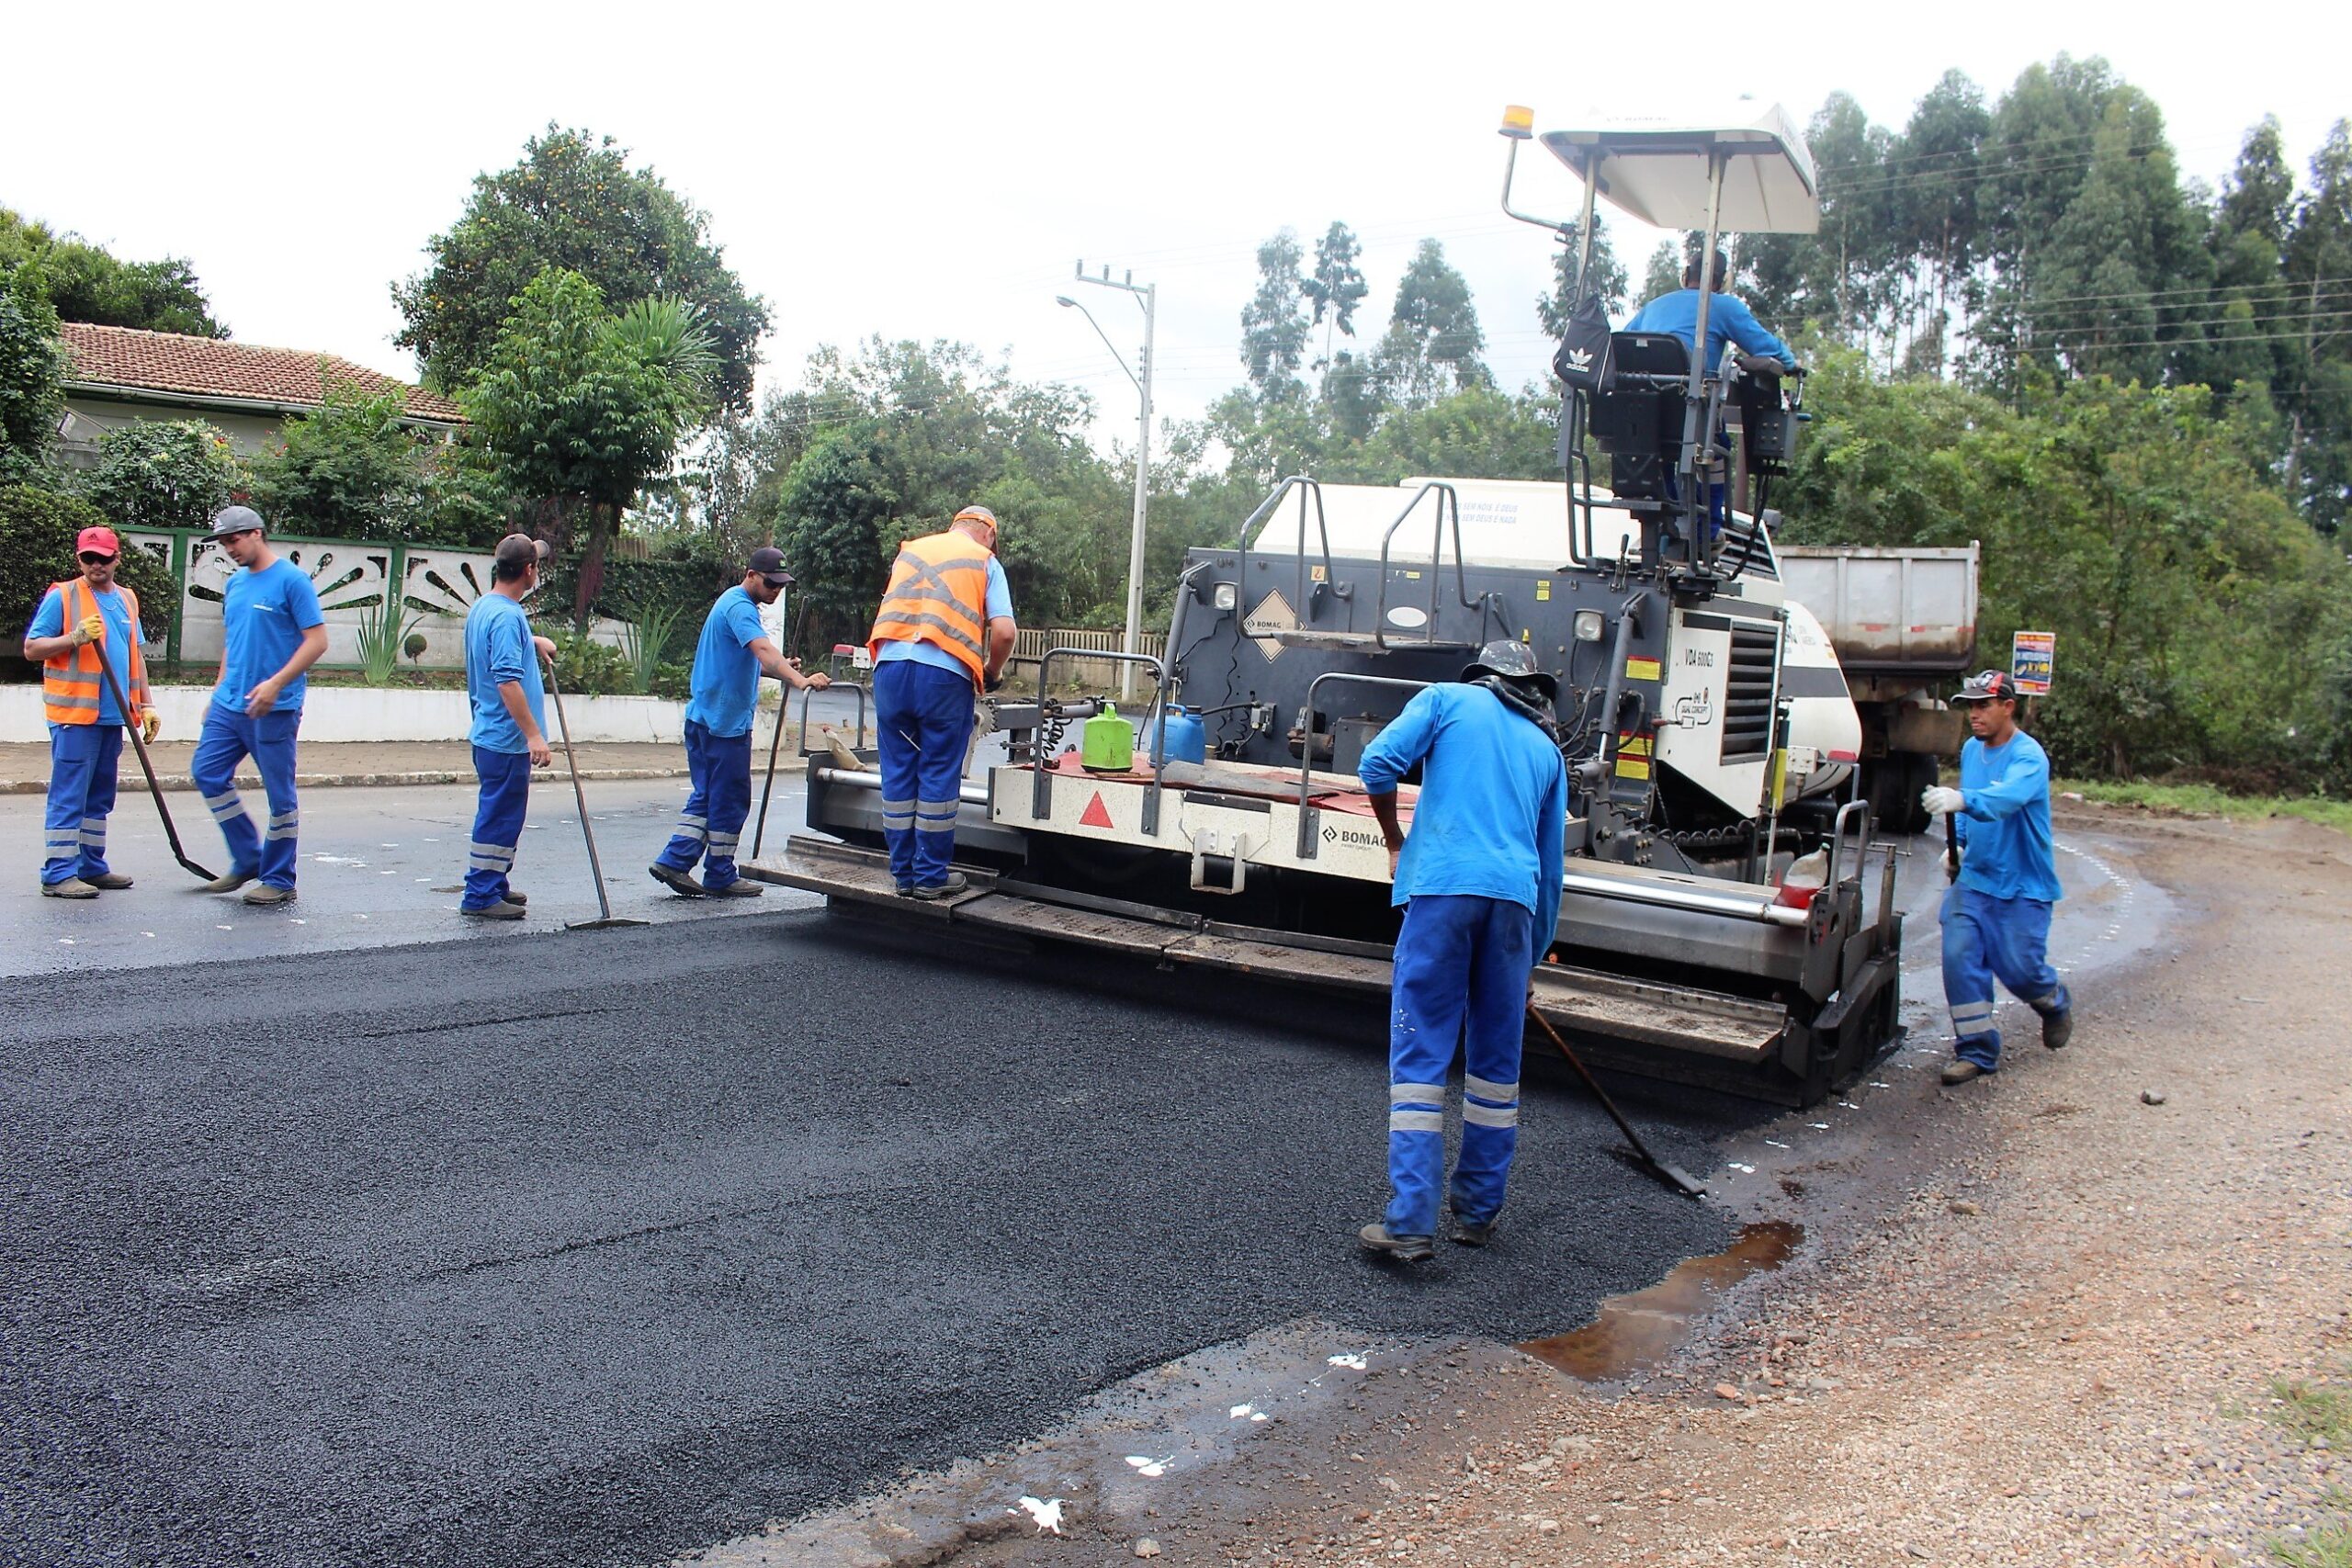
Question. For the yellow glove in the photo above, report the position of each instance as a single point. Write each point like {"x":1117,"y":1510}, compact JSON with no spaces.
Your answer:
{"x":88,"y":630}
{"x":151,"y":724}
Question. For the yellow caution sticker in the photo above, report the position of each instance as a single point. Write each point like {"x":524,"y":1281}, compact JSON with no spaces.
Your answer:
{"x":1318,"y":573}
{"x":1542,"y":588}
{"x":1631,"y":745}
{"x":1632,"y":767}
{"x":1641,"y":670}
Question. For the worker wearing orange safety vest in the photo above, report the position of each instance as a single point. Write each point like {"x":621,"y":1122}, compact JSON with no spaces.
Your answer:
{"x":82,"y":621}
{"x":944,"y":631}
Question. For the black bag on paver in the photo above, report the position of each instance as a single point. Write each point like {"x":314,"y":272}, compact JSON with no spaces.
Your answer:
{"x":1583,"y":360}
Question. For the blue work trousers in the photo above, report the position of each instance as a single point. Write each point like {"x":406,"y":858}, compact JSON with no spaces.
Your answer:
{"x":925,"y":718}
{"x":230,"y":737}
{"x":710,"y":825}
{"x":1987,"y":938}
{"x":505,"y":800}
{"x":81,"y":758}
{"x":1460,"y":977}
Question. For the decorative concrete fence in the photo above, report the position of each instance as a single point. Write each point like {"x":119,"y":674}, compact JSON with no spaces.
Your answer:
{"x":1093,"y":673}
{"x":436,"y":586}
{"x":368,"y":713}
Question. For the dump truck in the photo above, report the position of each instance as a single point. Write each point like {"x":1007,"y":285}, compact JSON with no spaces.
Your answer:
{"x":1708,"y":731}
{"x":1903,"y":620}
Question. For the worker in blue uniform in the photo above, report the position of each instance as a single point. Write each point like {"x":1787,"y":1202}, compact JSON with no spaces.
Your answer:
{"x":84,"y":631}
{"x":508,"y":695}
{"x":272,"y":631}
{"x":734,"y":652}
{"x":1478,"y":876}
{"x":1996,"y":913}
{"x":1728,"y":320}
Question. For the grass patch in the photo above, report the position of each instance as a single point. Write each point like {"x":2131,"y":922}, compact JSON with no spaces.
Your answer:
{"x":2329,"y":1546}
{"x":2312,"y":1410}
{"x":2205,"y":800}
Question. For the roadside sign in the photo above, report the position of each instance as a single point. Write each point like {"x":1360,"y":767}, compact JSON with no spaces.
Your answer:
{"x":2031,"y":655}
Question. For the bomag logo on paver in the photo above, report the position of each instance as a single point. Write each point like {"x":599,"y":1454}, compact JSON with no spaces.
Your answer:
{"x":1354,"y":838}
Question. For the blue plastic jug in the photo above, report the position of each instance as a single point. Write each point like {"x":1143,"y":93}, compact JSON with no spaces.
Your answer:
{"x":1188,"y":738}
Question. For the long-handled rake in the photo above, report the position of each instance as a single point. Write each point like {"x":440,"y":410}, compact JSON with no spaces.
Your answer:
{"x":606,"y":920}
{"x":148,"y":767}
{"x":1674,"y":1177}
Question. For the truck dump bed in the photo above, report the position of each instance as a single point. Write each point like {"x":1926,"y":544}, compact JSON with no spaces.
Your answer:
{"x":1910,"y":609}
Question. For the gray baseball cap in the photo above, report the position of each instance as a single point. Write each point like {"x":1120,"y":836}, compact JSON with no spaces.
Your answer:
{"x":236,"y":519}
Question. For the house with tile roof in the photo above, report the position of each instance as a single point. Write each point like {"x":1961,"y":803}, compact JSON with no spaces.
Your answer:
{"x":122,"y":376}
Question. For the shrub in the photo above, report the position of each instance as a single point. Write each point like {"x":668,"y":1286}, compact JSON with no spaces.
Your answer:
{"x":165,"y":474}
{"x":589,"y":668}
{"x":37,"y":530}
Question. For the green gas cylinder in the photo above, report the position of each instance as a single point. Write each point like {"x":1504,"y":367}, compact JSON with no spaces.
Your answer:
{"x":1107,"y":743}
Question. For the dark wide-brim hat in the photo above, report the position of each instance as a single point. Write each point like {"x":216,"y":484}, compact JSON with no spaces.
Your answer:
{"x":1513,"y":661}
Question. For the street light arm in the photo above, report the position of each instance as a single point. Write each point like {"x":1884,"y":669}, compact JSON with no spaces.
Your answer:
{"x":1119,"y":358}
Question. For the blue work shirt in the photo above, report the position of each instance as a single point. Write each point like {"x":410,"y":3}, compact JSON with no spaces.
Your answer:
{"x":499,"y":650}
{"x":1727,"y":321}
{"x":727,"y":673}
{"x":1493,"y":807}
{"x":263,"y":616}
{"x":50,"y":621}
{"x":2005,"y":826}
{"x":999,"y":607}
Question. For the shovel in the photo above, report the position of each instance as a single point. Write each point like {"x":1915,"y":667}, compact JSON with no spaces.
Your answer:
{"x":1674,"y":1177}
{"x":147,"y":767}
{"x":606,"y":920}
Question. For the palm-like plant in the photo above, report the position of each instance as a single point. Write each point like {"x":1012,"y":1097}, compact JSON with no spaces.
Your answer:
{"x":669,"y":334}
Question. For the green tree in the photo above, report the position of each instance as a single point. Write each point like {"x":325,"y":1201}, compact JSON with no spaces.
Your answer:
{"x":86,"y":283}
{"x":350,"y":469}
{"x":1663,"y":273}
{"x":573,"y":203}
{"x":1607,"y":282}
{"x":1431,"y":350}
{"x":1336,"y":286}
{"x":2315,"y":387}
{"x":1274,"y":322}
{"x":580,"y":408}
{"x":163,"y":474}
{"x":32,"y":377}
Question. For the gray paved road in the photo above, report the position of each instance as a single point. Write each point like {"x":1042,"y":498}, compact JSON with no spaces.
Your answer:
{"x":377,"y":870}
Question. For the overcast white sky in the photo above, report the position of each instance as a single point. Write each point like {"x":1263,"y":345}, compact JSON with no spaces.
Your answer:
{"x":932,"y":171}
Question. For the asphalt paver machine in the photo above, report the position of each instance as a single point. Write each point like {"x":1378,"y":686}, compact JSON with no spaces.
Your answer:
{"x":1709,"y":736}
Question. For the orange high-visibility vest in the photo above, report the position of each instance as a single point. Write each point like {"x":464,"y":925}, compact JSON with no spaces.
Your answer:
{"x":938,"y":594}
{"x":70,"y":681}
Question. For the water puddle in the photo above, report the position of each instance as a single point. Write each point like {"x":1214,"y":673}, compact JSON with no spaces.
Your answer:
{"x":1634,"y":1333}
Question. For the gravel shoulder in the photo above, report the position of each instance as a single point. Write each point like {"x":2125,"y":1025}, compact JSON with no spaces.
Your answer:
{"x":2036,"y":1320}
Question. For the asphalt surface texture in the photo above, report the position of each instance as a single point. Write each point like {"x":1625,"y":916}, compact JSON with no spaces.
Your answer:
{"x":442,"y":1257}
{"x":373,"y":1247}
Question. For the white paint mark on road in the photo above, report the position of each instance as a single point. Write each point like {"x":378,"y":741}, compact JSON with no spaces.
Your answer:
{"x":1770,"y":1142}
{"x":1249,"y":1412}
{"x":337,"y":860}
{"x":1743,"y":1170}
{"x":1353,"y":1361}
{"x":301,"y":922}
{"x":1047,"y":1513}
{"x":65,"y":942}
{"x":224,"y":928}
{"x":1155,"y":1467}
{"x":146,"y":933}
{"x":1818,"y":1126}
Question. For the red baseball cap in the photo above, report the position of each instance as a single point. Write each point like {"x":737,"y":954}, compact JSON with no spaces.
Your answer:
{"x":99,"y":539}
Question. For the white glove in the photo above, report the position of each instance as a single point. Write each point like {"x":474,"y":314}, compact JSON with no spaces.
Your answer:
{"x":1952,"y":862}
{"x":1937,"y":801}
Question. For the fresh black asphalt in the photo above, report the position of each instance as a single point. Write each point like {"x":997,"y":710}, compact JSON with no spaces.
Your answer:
{"x":598,"y":1247}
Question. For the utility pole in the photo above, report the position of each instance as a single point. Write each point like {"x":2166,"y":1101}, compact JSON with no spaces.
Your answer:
{"x":1146,"y":296}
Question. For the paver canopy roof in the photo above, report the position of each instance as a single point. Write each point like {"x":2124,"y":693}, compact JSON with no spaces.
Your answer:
{"x":202,"y":367}
{"x":1656,"y":169}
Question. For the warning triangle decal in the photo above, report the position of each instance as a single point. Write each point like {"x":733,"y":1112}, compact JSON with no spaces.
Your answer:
{"x":1094,"y":816}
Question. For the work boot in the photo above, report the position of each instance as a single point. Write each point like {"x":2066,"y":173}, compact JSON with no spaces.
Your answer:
{"x":108,"y":882}
{"x":957,"y":882}
{"x":230,"y":883}
{"x":676,"y":881}
{"x":1404,"y":1249}
{"x":267,"y":897}
{"x":72,"y":888}
{"x":505,"y":909}
{"x":1474,"y":1233}
{"x":2057,"y":1028}
{"x":741,"y":888}
{"x":1958,"y":1071}
{"x":516,"y":896}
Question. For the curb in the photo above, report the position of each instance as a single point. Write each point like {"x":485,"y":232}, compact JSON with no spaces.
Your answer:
{"x":183,"y":785}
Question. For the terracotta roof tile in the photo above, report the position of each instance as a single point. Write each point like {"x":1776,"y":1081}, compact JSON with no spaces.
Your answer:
{"x":203,"y":366}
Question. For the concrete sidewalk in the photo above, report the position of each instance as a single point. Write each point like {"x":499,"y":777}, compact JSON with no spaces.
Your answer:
{"x":24,"y":769}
